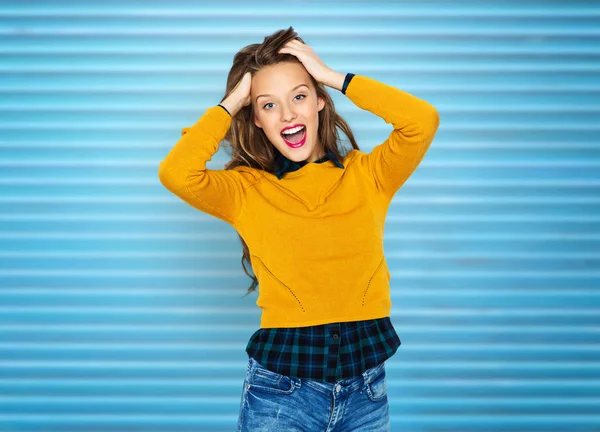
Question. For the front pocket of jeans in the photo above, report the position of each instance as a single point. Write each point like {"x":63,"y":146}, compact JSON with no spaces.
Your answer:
{"x":377,"y":389}
{"x":265,"y":380}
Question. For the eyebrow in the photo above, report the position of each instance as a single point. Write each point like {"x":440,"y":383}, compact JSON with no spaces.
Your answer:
{"x":299,"y":85}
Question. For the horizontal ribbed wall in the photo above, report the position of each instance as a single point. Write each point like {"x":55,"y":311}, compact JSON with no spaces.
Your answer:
{"x":121,"y":307}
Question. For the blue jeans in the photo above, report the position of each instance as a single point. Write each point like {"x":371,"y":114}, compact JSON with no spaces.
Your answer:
{"x":274,"y":402}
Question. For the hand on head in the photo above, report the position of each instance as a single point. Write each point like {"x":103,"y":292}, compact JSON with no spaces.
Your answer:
{"x":242,"y":89}
{"x":239,"y":96}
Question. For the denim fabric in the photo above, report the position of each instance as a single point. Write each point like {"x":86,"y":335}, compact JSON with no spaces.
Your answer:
{"x":273,"y":402}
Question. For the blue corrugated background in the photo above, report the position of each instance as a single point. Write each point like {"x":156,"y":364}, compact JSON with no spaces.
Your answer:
{"x":121,"y":307}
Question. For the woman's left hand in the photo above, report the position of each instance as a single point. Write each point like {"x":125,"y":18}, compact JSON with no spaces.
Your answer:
{"x":313,"y":64}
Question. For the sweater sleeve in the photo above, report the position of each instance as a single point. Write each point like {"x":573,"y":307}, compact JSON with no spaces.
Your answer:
{"x":183,"y":171}
{"x":415,"y":123}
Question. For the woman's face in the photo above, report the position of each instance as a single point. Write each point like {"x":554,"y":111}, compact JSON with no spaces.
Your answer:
{"x":291,"y":100}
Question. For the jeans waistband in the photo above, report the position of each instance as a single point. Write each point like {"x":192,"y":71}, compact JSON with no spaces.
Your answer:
{"x":350,"y":384}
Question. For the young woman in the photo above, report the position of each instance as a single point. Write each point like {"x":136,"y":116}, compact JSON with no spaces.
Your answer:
{"x":311,"y":222}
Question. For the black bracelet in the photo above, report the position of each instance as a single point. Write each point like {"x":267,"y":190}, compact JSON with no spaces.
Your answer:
{"x":225,"y":110}
{"x":347,"y":81}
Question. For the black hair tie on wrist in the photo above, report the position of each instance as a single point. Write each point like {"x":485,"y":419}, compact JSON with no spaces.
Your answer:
{"x":347,"y":81}
{"x":225,"y":110}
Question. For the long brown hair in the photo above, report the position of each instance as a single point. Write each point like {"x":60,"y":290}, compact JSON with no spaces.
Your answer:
{"x":249,"y":144}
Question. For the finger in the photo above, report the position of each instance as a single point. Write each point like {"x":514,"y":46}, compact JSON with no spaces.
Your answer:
{"x":293,"y":43}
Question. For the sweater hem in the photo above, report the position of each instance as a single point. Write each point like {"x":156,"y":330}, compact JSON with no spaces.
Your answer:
{"x":325,"y":321}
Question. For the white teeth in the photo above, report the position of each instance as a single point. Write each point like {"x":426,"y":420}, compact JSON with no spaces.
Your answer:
{"x":291,"y":131}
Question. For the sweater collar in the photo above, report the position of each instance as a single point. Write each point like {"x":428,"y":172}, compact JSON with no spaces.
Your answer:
{"x":284,"y":165}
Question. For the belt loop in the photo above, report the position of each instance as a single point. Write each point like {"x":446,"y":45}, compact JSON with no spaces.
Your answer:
{"x":366,"y":377}
{"x":371,"y":372}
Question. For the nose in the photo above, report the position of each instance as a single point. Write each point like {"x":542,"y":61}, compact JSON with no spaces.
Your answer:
{"x":287,"y":114}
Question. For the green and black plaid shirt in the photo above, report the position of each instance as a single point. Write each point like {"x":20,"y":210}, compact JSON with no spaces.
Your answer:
{"x":284,"y":165}
{"x":326,"y":352}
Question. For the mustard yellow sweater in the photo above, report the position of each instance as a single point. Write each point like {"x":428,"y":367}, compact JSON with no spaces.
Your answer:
{"x":330,"y":267}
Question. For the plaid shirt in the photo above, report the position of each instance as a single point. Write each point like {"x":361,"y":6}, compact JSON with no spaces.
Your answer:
{"x":284,"y":165}
{"x":326,"y":352}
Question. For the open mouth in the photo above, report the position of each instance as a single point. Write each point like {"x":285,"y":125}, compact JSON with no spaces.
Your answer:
{"x":296,"y":139}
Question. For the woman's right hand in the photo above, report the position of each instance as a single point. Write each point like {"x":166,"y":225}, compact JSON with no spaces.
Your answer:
{"x":243,"y":87}
{"x":240,"y":96}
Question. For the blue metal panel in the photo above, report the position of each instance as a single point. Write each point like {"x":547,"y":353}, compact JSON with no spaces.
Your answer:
{"x":121,"y":307}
